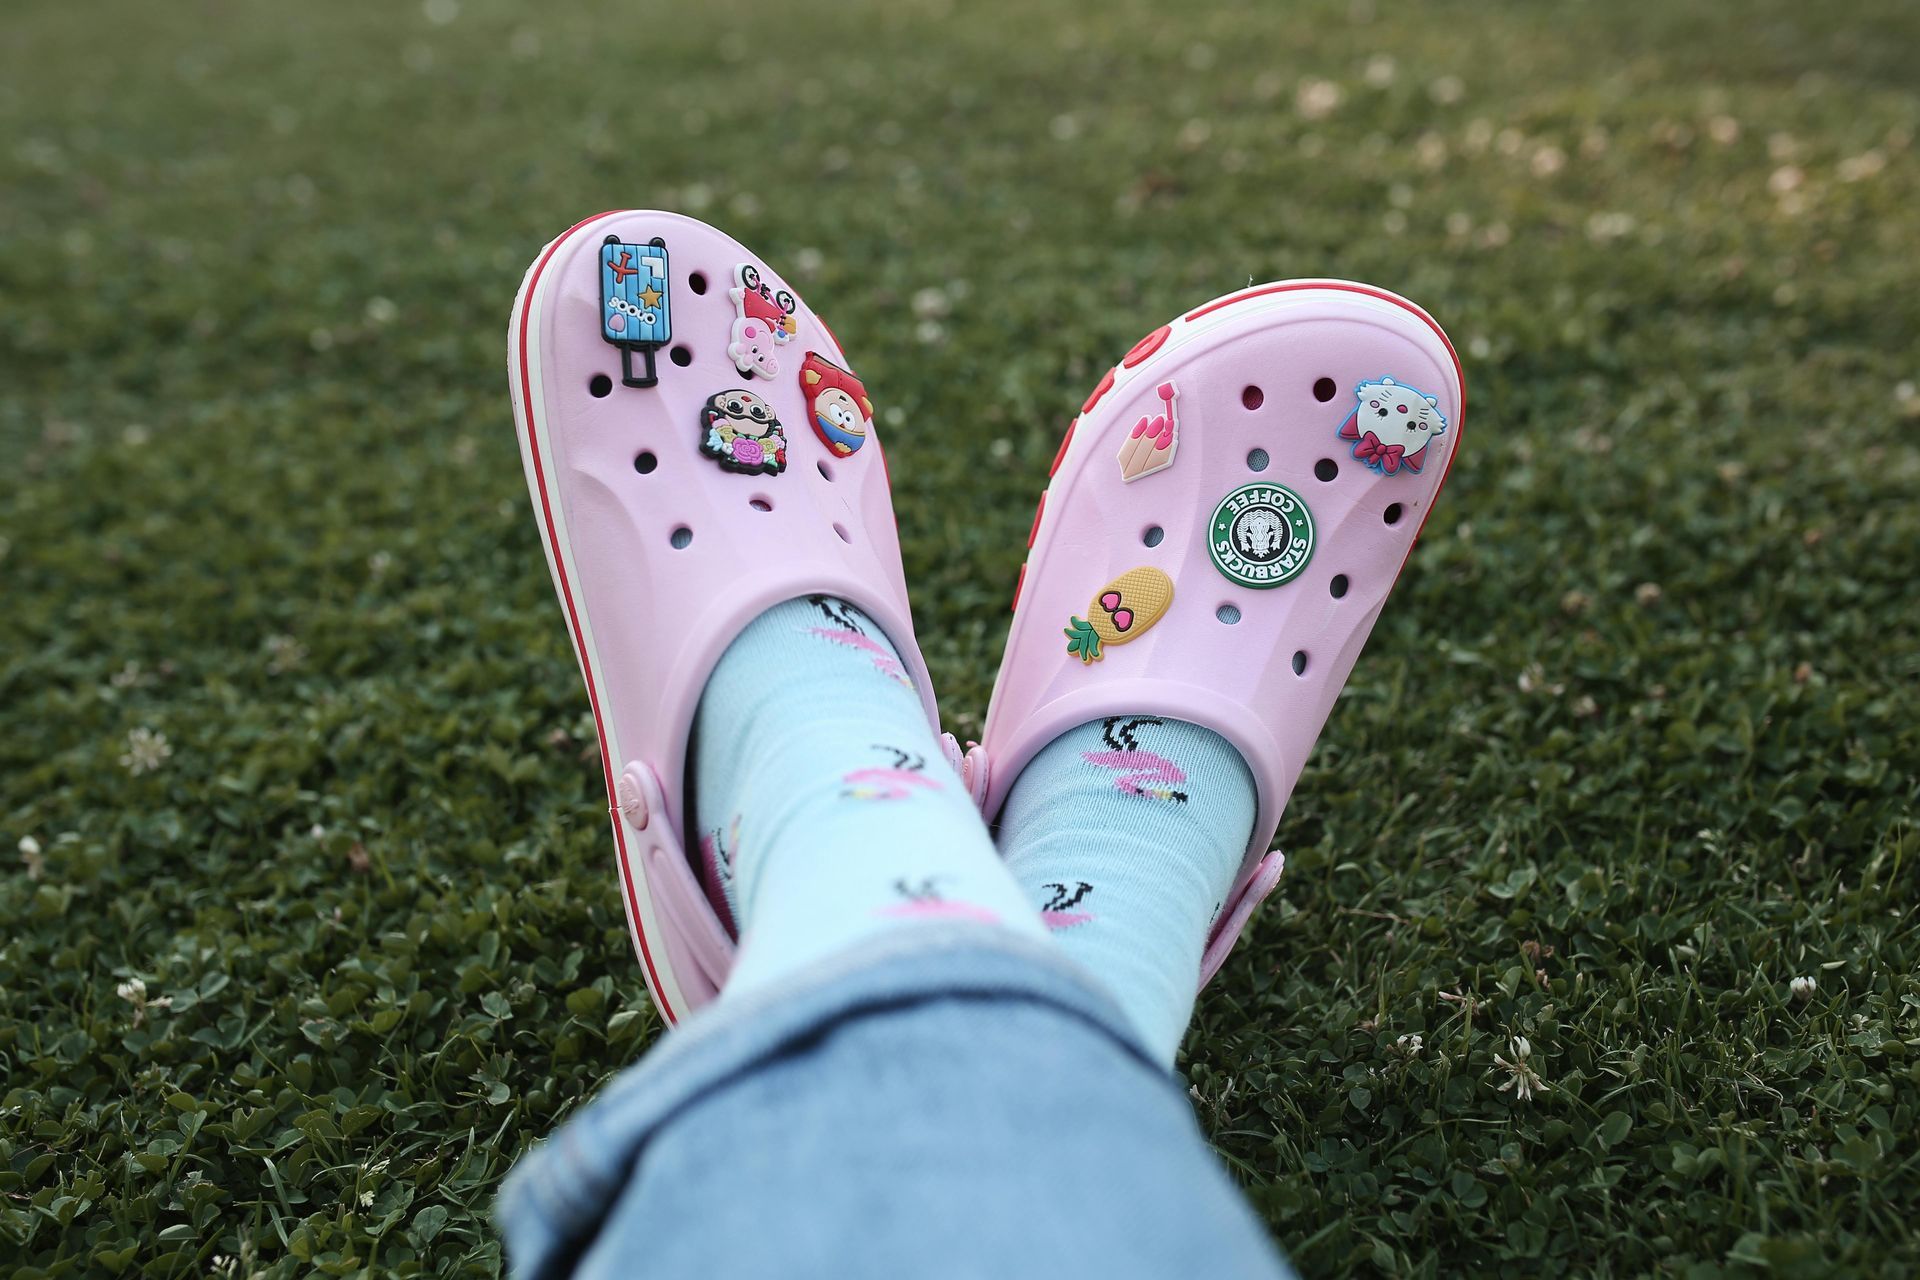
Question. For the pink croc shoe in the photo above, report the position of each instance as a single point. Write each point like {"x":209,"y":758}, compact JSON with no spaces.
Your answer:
{"x":697,"y":450}
{"x":1223,"y":523}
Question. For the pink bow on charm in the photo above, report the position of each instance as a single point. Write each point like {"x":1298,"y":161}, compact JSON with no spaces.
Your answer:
{"x":1385,"y":456}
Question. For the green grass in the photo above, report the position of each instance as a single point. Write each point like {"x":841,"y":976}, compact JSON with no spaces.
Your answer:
{"x":1634,"y":746}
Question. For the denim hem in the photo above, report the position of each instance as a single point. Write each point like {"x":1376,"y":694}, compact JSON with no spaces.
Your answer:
{"x":554,"y":1201}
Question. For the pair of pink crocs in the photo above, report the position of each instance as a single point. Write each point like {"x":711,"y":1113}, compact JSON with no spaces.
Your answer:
{"x":1221,"y":527}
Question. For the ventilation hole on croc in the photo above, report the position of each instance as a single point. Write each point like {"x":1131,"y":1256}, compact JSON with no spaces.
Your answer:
{"x":1253,"y":397}
{"x":697,"y":282}
{"x":759,"y":503}
{"x":1392,"y":514}
{"x":842,"y":531}
{"x":1325,"y":469}
{"x":681,"y":537}
{"x":645,"y":462}
{"x":1153,"y":534}
{"x":680,"y":356}
{"x":600,"y":386}
{"x":1257,"y":460}
{"x":1228,"y":614}
{"x":1325,"y":390}
{"x":826,"y":472}
{"x":1299,"y":662}
{"x":1338,"y":587}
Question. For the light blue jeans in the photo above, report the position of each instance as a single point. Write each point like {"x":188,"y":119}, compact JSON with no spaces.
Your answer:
{"x":942,"y":1102}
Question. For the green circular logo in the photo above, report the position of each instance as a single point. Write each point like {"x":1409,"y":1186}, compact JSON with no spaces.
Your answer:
{"x":1262,"y":535}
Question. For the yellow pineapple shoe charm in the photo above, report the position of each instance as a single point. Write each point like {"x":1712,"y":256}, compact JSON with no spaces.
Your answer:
{"x":1122,"y":610}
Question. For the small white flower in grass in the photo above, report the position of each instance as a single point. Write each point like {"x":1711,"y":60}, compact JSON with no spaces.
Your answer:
{"x":1381,"y":70}
{"x":808,"y":261}
{"x":1602,"y":226}
{"x":930,"y":302}
{"x":1787,"y":177}
{"x":1317,"y":99}
{"x":366,"y":1199}
{"x":930,"y":333}
{"x":1409,"y":1046}
{"x":135,"y":434}
{"x":317,"y":831}
{"x":1864,"y":165}
{"x":1447,"y":90}
{"x":31,"y":857}
{"x":146,"y":751}
{"x":1521,"y":1077}
{"x":1803,"y":988}
{"x":1548,"y":160}
{"x":1724,"y":130}
{"x":1647,"y":593}
{"x":382,"y":311}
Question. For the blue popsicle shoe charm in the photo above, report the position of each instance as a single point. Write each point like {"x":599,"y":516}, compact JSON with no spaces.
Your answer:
{"x":634,"y":311}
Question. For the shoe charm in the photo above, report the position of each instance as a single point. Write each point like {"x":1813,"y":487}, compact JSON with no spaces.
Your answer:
{"x":741,"y":433}
{"x":634,"y":312}
{"x":1392,"y":425}
{"x":764,"y":319}
{"x":837,"y":402}
{"x":1150,"y":446}
{"x":1123,"y":610}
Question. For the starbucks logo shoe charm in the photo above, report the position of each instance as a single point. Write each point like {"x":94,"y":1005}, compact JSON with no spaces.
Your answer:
{"x":1261,"y":535}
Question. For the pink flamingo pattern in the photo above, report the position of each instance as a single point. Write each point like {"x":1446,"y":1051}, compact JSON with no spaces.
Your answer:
{"x":904,"y":778}
{"x":716,"y":870}
{"x":1137,"y":773}
{"x":846,"y":631}
{"x":1056,"y":913}
{"x":924,"y":902}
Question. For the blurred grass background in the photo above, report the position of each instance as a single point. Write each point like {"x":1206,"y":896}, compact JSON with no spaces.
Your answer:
{"x":311,"y":927}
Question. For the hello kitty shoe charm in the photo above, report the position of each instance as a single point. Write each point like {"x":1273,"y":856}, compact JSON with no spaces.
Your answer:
{"x":697,"y":450}
{"x":1238,"y":496}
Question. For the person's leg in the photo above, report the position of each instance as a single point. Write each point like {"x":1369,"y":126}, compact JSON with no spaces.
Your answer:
{"x":825,"y":810}
{"x":1126,"y":834}
{"x":937,"y":1102}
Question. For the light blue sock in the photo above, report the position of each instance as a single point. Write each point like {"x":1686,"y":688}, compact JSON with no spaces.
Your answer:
{"x":824,"y":808}
{"x":1127,"y":834}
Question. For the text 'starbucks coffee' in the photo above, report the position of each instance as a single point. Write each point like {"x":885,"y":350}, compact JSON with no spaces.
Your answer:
{"x":1261,"y":535}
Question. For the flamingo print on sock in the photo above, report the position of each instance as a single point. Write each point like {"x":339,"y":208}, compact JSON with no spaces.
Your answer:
{"x":906,"y":776}
{"x":1136,"y":772}
{"x":1057,"y":911}
{"x":924,"y":902}
{"x":846,"y":630}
